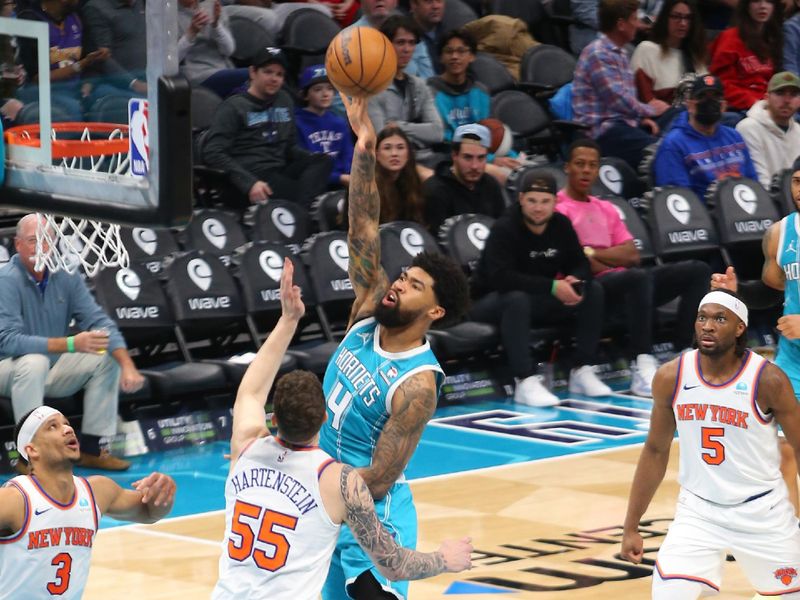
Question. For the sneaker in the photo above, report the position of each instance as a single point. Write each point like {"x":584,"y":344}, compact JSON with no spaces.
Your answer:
{"x":584,"y":380}
{"x":532,"y":392}
{"x":104,"y":462}
{"x":643,"y":369}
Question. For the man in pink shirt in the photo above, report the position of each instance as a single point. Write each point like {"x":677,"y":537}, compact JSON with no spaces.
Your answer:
{"x":615,"y":262}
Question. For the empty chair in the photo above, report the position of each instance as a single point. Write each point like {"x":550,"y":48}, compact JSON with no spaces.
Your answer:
{"x":280,"y":221}
{"x":532,"y":127}
{"x":463,"y":238}
{"x":216,"y":232}
{"x":529,"y":12}
{"x":148,"y":246}
{"x":491,"y":73}
{"x":743,"y":211}
{"x":204,"y":105}
{"x":781,"y":191}
{"x":308,"y":31}
{"x":547,"y":66}
{"x":109,"y":109}
{"x":401,"y":241}
{"x":252,"y":29}
{"x":681,"y":226}
{"x":457,"y":14}
{"x":327,"y":209}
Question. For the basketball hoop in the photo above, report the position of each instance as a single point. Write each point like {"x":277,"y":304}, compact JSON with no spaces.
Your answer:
{"x":66,"y":243}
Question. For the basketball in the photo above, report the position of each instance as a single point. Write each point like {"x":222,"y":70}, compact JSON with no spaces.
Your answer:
{"x":496,"y":129}
{"x":360,"y":61}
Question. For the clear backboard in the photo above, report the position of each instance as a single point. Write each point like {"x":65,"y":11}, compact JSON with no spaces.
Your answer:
{"x":109,"y":137}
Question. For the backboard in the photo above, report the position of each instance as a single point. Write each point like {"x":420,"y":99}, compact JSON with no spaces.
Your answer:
{"x":144,"y":174}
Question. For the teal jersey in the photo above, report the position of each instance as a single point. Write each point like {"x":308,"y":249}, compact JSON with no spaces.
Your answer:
{"x":788,"y":357}
{"x":359,"y":383}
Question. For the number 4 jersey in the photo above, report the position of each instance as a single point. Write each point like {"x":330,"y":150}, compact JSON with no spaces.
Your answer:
{"x":278,"y":537}
{"x":728,"y":447}
{"x":49,"y":556}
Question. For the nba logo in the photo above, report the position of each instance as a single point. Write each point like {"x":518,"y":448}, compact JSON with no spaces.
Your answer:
{"x":138,"y":137}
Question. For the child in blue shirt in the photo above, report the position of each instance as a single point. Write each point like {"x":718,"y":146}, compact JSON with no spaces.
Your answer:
{"x":319,"y":129}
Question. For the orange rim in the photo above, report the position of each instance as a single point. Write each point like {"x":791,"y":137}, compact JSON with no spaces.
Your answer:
{"x":28,"y":135}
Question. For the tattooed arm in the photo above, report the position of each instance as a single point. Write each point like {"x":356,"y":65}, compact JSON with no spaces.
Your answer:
{"x":363,"y":240}
{"x":392,"y":560}
{"x":413,"y":405}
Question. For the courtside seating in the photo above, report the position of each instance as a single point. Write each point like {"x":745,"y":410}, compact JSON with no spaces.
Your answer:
{"x":681,"y":226}
{"x":401,"y":241}
{"x":214,"y":232}
{"x":781,"y":191}
{"x":280,"y":221}
{"x":148,"y":246}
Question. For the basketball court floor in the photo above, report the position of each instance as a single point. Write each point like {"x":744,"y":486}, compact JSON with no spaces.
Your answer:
{"x":542,"y":492}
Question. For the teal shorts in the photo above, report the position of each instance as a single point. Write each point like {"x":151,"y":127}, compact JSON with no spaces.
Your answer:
{"x":399,"y":516}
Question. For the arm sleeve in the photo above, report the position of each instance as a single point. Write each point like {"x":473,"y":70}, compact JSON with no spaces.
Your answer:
{"x":575,"y":261}
{"x":13,"y":339}
{"x":88,"y":314}
{"x":220,"y":139}
{"x":669,"y":166}
{"x":223,"y":36}
{"x":755,"y":151}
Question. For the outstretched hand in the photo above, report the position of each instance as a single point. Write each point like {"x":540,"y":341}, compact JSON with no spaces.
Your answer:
{"x":359,"y":117}
{"x":725,"y":281}
{"x":292,"y":306}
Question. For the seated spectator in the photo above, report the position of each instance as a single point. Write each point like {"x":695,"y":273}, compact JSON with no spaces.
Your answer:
{"x":614,"y":261}
{"x":253,"y":137}
{"x":533,"y":272}
{"x":39,"y":357}
{"x":791,"y":40}
{"x":770,"y":131}
{"x":699,"y":150}
{"x":457,"y":97}
{"x":320,"y":130}
{"x":67,"y":60}
{"x":399,"y":179}
{"x":603,"y":90}
{"x":745,"y":57}
{"x":585,"y":28}
{"x":343,"y":11}
{"x":119,"y":30}
{"x":425,"y":63}
{"x":205,"y":47}
{"x":677,"y":46}
{"x":407,"y":102}
{"x":462,"y":186}
{"x":375,"y":12}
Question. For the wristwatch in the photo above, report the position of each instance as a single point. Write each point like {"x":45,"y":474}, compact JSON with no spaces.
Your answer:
{"x":588,"y":251}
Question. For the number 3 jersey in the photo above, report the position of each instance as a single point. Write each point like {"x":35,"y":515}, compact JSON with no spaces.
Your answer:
{"x":728,"y":447}
{"x":279,"y":539}
{"x":359,"y":383}
{"x":50,"y":555}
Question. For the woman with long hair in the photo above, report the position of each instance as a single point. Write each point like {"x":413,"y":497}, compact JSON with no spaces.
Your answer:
{"x":398,"y":177}
{"x":745,"y":57}
{"x":677,"y":46}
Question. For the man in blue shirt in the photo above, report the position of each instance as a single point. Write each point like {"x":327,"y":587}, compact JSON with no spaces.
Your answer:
{"x":698,"y":150}
{"x":39,"y":357}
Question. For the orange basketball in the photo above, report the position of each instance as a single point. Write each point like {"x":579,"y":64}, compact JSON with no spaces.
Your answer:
{"x":360,"y":61}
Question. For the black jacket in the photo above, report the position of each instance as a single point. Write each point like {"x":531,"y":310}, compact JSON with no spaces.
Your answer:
{"x":446,"y":196}
{"x":249,"y":136}
{"x":515,"y":258}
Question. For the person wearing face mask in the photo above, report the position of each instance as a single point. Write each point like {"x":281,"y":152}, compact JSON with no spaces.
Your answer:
{"x":699,"y":150}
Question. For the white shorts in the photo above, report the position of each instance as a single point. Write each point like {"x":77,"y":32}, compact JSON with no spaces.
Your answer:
{"x":762,"y":535}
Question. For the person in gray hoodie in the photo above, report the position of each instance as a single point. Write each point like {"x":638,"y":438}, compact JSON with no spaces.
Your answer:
{"x":770,"y":131}
{"x":407,"y":102}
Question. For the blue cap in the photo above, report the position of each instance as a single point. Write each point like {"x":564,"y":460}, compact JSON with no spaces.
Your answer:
{"x":313,"y":74}
{"x":473,"y":129}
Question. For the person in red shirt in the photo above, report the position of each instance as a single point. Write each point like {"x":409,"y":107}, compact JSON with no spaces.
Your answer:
{"x":745,"y":57}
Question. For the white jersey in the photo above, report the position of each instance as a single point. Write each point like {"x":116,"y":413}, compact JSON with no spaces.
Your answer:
{"x":279,"y":539}
{"x":728,"y":447}
{"x":50,"y":555}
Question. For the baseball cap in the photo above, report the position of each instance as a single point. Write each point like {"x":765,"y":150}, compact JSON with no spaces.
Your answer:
{"x":268,"y":55}
{"x":479,"y":131}
{"x":705,"y":83}
{"x":783,"y":80}
{"x":537,"y":180}
{"x":313,"y":74}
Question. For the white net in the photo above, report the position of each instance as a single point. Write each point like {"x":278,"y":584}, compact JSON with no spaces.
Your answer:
{"x":64,"y":243}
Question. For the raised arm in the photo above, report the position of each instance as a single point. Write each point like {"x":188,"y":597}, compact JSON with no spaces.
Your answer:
{"x":652,"y":461}
{"x":394,"y":561}
{"x":413,"y":404}
{"x":150,"y":501}
{"x":364,"y":206}
{"x":249,"y":419}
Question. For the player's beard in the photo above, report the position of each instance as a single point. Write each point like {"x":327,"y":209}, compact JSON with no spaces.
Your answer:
{"x":392,"y":316}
